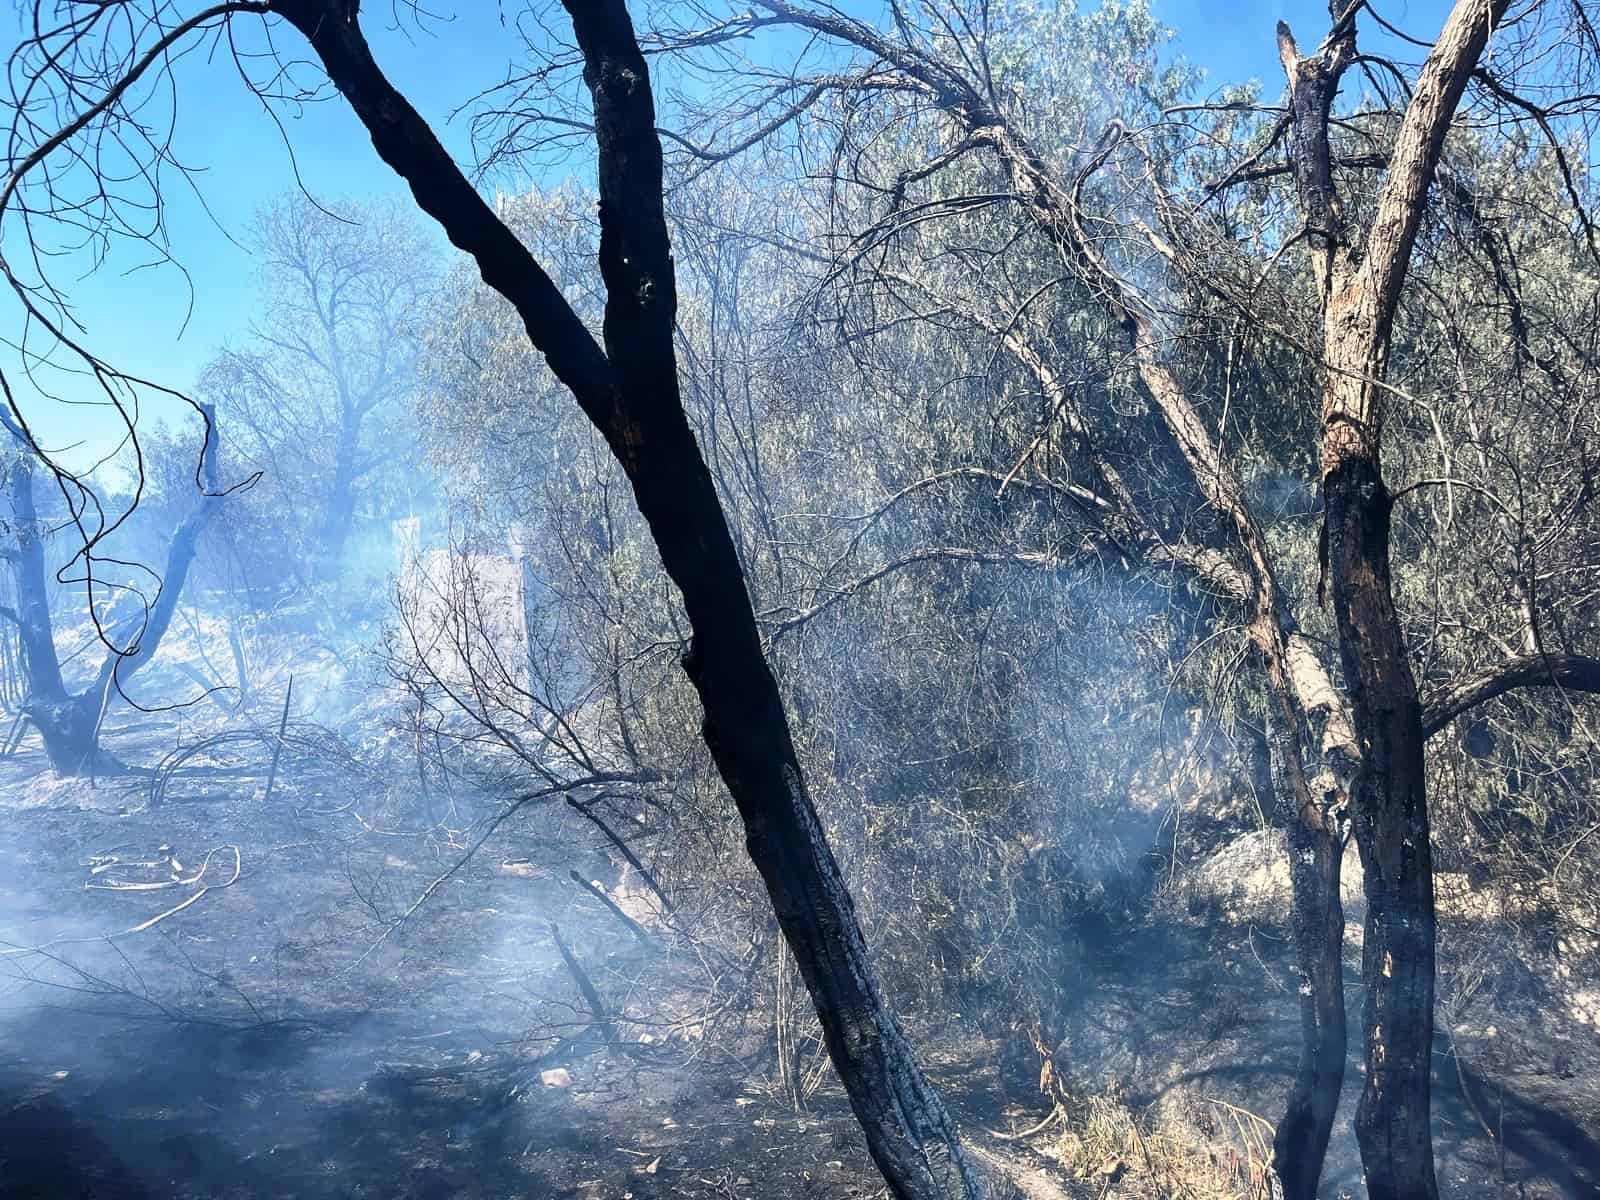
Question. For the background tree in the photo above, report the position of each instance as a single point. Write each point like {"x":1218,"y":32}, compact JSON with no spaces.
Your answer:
{"x":318,"y":400}
{"x":130,"y":608}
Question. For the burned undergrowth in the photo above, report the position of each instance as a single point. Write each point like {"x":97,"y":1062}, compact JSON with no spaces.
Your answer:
{"x":801,"y":604}
{"x":305,"y":1030}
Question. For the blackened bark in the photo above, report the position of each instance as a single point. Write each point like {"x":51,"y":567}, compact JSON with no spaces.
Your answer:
{"x":26,"y":557}
{"x":630,"y":393}
{"x":1391,"y":820}
{"x":1301,"y":1143}
{"x":1361,"y":288}
{"x":70,"y":724}
{"x":1571,"y":672}
{"x":1313,"y":84}
{"x":1316,"y":851}
{"x":69,"y":728}
{"x":66,"y":723}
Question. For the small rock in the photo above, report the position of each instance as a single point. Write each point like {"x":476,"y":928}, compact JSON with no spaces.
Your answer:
{"x":557,"y":1077}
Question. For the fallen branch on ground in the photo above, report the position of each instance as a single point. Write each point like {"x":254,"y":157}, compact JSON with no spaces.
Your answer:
{"x":634,"y":927}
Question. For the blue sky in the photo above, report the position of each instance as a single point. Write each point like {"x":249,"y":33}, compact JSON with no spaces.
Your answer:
{"x":138,"y":320}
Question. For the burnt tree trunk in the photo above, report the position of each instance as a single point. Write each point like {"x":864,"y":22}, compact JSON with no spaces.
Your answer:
{"x":69,"y":723}
{"x":1361,"y":286}
{"x":1391,"y":819}
{"x":630,"y":393}
{"x":66,"y":723}
{"x":70,"y":729}
{"x":1316,"y":852}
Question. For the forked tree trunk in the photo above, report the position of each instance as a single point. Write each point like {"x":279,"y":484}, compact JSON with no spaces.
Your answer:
{"x":70,"y":730}
{"x":66,"y":723}
{"x":1391,"y":819}
{"x":630,"y":393}
{"x":69,"y":723}
{"x":1361,"y":286}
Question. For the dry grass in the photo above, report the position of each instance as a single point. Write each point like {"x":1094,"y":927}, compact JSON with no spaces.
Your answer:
{"x":1208,"y":1151}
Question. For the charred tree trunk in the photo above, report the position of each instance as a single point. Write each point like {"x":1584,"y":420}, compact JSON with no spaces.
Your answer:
{"x":70,"y":729}
{"x":1391,"y":818}
{"x":1301,"y":1142}
{"x":1361,"y":286}
{"x":1316,"y":852}
{"x":630,"y":393}
{"x":66,"y":723}
{"x":70,"y":723}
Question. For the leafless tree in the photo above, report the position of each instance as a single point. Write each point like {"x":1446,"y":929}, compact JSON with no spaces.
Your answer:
{"x":129,"y":624}
{"x":316,"y":398}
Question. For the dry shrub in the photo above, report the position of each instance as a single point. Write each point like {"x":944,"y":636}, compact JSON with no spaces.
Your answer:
{"x":1207,"y":1150}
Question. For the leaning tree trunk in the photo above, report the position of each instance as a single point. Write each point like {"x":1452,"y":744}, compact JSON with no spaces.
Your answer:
{"x":630,"y":393}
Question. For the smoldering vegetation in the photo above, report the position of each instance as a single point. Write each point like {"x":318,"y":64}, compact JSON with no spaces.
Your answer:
{"x":361,"y":836}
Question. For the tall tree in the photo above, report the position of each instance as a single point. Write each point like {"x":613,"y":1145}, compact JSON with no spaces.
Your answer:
{"x":317,"y":398}
{"x":629,"y":390}
{"x":1360,"y":280}
{"x":1332,"y":768}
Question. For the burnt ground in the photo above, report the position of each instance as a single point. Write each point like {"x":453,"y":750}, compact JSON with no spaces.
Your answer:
{"x":1176,"y":1014}
{"x":263,"y":1042}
